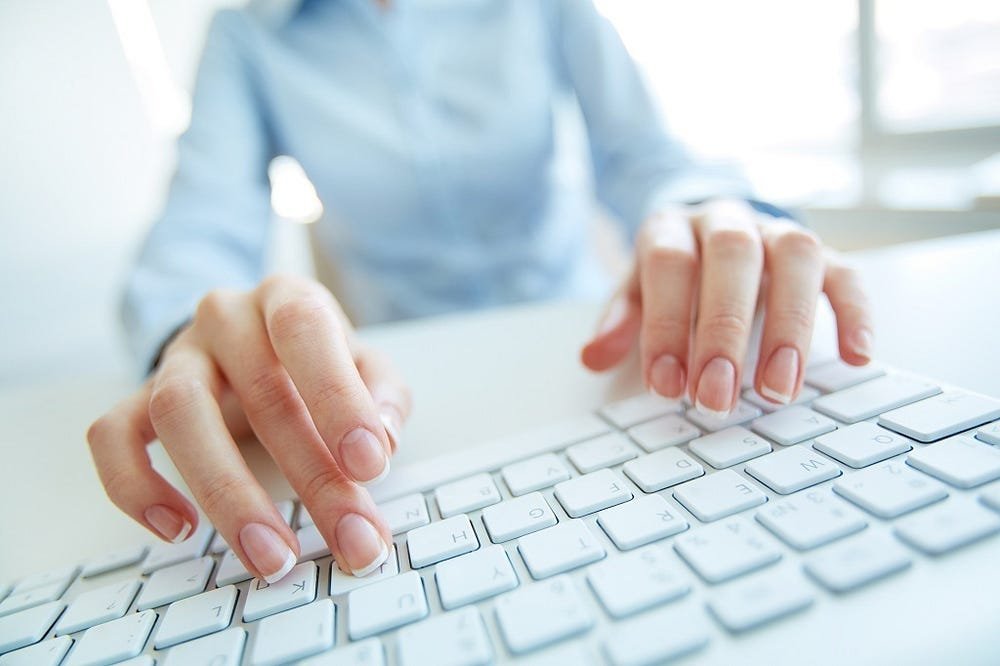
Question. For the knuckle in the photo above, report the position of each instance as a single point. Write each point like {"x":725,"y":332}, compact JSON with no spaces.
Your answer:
{"x":726,"y":325}
{"x":220,"y":492}
{"x":798,"y":242}
{"x":666,"y":329}
{"x":295,"y":318}
{"x":116,"y":481}
{"x":735,"y":240}
{"x":213,"y":306}
{"x":172,"y":396}
{"x":100,"y":431}
{"x":328,"y":485}
{"x":797,"y":319}
{"x":271,"y":391}
{"x":661,"y":257}
{"x":337,"y":394}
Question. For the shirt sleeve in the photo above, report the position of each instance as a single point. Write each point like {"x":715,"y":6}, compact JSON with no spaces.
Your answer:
{"x":214,"y":226}
{"x":638,"y":165}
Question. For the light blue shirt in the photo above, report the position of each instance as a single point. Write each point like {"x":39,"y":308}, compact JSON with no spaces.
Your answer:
{"x":428,"y":130}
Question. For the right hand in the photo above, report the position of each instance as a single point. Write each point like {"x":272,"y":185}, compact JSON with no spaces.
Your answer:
{"x":280,"y":360}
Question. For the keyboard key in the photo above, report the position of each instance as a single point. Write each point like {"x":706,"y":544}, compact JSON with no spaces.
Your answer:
{"x":517,"y":517}
{"x":639,"y":580}
{"x":4,"y":590}
{"x":874,"y":397}
{"x":726,"y":550}
{"x":662,"y":469}
{"x":218,"y":545}
{"x":605,"y":451}
{"x":441,"y":540}
{"x":862,"y":444}
{"x":296,"y":589}
{"x":742,"y":413}
{"x":760,"y":598}
{"x":368,"y":652}
{"x":28,"y":626}
{"x":231,"y":571}
{"x":405,"y":513}
{"x":729,"y":447}
{"x":534,"y":474}
{"x":719,"y":495}
{"x":113,"y":561}
{"x":537,"y":615}
{"x":196,"y":616}
{"x":222,"y":649}
{"x":991,"y":497}
{"x":305,"y":518}
{"x":792,"y":469}
{"x":793,"y":425}
{"x":890,"y":489}
{"x":806,"y":395}
{"x":96,"y":606}
{"x":166,"y":554}
{"x":46,"y":653}
{"x":474,"y":577}
{"x":386,"y":605}
{"x":811,"y":519}
{"x":837,"y":375}
{"x":175,"y":582}
{"x":592,"y":492}
{"x":962,"y":461}
{"x":641,"y":521}
{"x":342,"y":582}
{"x":312,"y":545}
{"x":113,"y":641}
{"x":19,"y":601}
{"x":663,"y":432}
{"x":453,"y":639}
{"x":644,"y":640}
{"x":626,"y":413}
{"x":566,"y":546}
{"x":57,"y":579}
{"x":941,"y":416}
{"x":294,"y":634}
{"x":990,"y":433}
{"x":947,"y":526}
{"x":466,"y":495}
{"x":858,"y":561}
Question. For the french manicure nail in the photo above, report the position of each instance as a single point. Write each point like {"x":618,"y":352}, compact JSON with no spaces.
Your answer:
{"x":364,"y":456}
{"x":861,"y":342}
{"x":716,"y":387}
{"x":360,"y":544}
{"x":666,"y":376}
{"x":269,"y":553}
{"x":389,"y":416}
{"x":168,"y":523}
{"x":781,"y":374}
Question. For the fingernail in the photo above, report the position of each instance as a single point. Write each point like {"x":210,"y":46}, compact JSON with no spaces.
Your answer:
{"x":861,"y":342}
{"x":614,"y":317}
{"x":715,"y":388}
{"x":360,"y":544}
{"x":780,"y":375}
{"x":666,"y":375}
{"x":269,"y":553}
{"x":170,"y":524}
{"x":390,"y":418}
{"x":364,"y":456}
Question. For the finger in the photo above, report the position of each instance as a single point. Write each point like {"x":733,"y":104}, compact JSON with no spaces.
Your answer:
{"x":793,"y":259}
{"x":618,"y":328}
{"x":343,"y":511}
{"x":118,"y":445}
{"x":850,"y":304}
{"x":312,"y":345}
{"x":185,"y":413}
{"x":668,"y":264}
{"x":732,"y":261}
{"x":389,"y":392}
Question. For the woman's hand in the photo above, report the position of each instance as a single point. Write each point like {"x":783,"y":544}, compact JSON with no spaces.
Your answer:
{"x":280,"y":360}
{"x":693,"y":292}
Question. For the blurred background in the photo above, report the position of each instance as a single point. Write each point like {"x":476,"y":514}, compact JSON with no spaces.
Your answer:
{"x":880,"y":119}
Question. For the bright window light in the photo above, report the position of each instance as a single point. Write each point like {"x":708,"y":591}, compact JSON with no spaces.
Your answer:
{"x":167,"y":103}
{"x":293,"y":196}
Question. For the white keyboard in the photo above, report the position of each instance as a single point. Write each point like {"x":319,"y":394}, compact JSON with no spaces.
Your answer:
{"x":654,"y":532}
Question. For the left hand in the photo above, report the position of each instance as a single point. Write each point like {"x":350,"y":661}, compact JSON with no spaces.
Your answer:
{"x":693,"y":292}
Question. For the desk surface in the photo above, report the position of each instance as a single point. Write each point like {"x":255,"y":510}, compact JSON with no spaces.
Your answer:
{"x":937,"y":311}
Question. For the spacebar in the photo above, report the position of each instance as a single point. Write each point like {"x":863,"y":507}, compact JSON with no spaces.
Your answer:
{"x":424,"y":475}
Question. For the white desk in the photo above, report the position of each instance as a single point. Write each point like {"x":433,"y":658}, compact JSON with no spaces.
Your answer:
{"x":937,"y":307}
